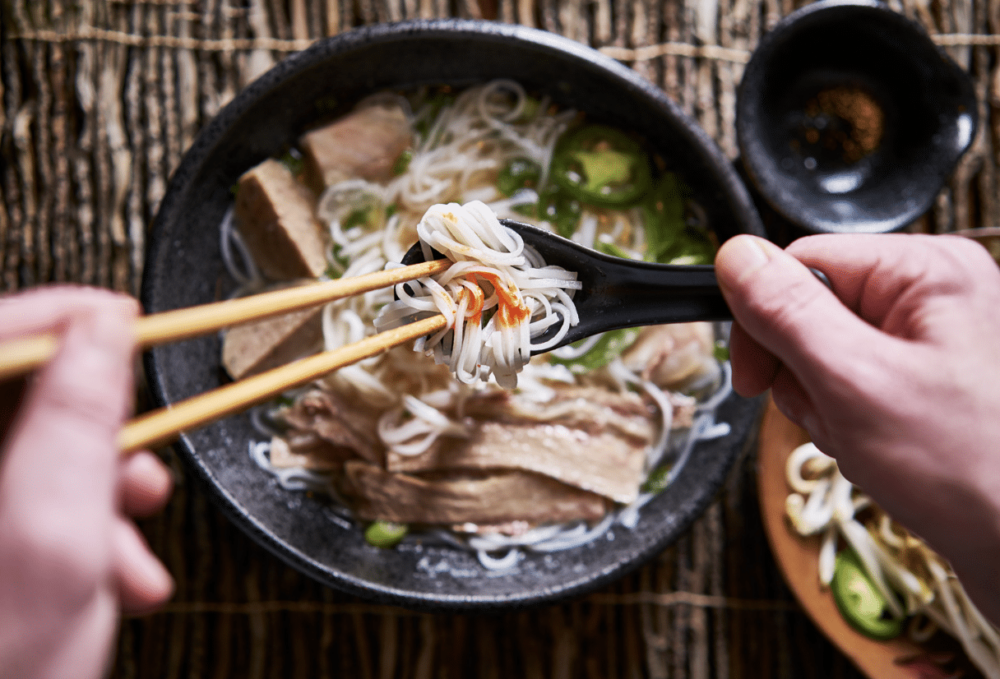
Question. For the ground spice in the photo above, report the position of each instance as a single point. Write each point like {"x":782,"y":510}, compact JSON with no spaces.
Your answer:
{"x":861,"y":122}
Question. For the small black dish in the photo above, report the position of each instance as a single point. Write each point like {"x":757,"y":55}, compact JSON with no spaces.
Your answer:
{"x":184,"y":267}
{"x":850,"y":118}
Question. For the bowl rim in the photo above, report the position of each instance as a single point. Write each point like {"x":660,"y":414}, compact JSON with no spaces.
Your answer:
{"x":202,"y":147}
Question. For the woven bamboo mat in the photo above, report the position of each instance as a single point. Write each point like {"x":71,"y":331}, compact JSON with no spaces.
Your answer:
{"x":100,"y":100}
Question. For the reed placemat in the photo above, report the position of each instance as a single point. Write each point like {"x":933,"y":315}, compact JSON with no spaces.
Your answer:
{"x":100,"y":100}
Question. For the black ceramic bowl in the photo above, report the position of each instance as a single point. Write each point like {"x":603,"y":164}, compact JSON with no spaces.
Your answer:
{"x":184,"y":268}
{"x":811,"y":135}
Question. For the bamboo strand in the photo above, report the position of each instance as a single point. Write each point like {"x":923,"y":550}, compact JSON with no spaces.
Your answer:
{"x":163,"y":425}
{"x":93,"y":34}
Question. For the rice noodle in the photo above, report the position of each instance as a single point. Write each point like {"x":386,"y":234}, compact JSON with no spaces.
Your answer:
{"x":491,"y":276}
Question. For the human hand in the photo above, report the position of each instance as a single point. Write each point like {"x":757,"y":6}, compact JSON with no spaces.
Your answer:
{"x":70,"y":559}
{"x":895,"y":373}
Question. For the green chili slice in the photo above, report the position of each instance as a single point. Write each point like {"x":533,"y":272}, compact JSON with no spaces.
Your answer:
{"x":669,"y":240}
{"x":556,"y":207}
{"x":519,"y":173}
{"x":859,"y":600}
{"x":602,"y":166}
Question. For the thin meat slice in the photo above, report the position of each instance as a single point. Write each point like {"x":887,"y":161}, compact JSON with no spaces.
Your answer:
{"x":605,"y":462}
{"x":366,"y":143}
{"x":675,"y":355}
{"x":255,"y":347}
{"x":500,"y":498}
{"x":325,"y":431}
{"x":588,"y":408}
{"x":276,"y":217}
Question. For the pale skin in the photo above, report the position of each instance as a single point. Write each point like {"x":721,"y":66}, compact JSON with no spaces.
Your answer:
{"x":71,"y":557}
{"x":895,"y":373}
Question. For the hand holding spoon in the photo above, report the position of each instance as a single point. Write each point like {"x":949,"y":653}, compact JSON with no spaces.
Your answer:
{"x":622,"y":293}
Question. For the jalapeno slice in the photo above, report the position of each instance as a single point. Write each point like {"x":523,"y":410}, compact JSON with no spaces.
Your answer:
{"x":860,"y":601}
{"x":601,"y":166}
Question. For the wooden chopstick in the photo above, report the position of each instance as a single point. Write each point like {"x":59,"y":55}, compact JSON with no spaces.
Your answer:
{"x":162,"y":426}
{"x":23,"y":355}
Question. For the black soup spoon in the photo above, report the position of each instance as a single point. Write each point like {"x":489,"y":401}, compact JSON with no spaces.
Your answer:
{"x":619,"y":293}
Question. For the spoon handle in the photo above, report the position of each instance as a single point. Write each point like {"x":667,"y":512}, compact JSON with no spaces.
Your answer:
{"x":635,"y":296}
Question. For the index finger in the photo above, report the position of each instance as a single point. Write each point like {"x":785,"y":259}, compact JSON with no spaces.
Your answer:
{"x":59,"y":470}
{"x":890,"y":279}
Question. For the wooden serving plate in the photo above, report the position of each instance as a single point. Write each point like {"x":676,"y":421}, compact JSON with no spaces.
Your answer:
{"x":798,"y":559}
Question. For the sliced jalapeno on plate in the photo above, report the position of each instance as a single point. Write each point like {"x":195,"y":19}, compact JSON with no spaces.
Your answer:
{"x":860,"y":601}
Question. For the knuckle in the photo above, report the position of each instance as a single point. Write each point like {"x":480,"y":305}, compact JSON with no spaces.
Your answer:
{"x":783,"y":309}
{"x":97,"y":404}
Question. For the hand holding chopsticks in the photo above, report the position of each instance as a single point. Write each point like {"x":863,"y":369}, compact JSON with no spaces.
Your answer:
{"x":23,"y":355}
{"x":161,"y":426}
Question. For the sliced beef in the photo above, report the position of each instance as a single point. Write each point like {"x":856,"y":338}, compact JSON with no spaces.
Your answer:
{"x":366,"y":143}
{"x":276,"y":216}
{"x":255,"y":347}
{"x":283,"y":456}
{"x":588,"y":408}
{"x":500,"y":498}
{"x":672,"y":356}
{"x":323,"y":427}
{"x":605,"y":463}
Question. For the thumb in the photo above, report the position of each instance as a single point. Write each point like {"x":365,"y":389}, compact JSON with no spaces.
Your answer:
{"x":782,"y":307}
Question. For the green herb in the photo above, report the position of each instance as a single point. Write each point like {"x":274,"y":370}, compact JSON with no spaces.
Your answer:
{"x":402,"y":162}
{"x":293,"y":161}
{"x":285,"y":401}
{"x":338,"y":266}
{"x":358,"y":217}
{"x":235,"y":188}
{"x":530,"y":110}
{"x":721,"y":352}
{"x":519,"y":173}
{"x":385,"y":534}
{"x":435,"y":103}
{"x":657,"y":479}
{"x":390,"y":210}
{"x":609,"y":347}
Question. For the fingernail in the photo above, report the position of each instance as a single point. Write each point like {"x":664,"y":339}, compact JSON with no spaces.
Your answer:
{"x":745,"y":254}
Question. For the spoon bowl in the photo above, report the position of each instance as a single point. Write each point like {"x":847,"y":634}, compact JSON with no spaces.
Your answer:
{"x":616,"y":292}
